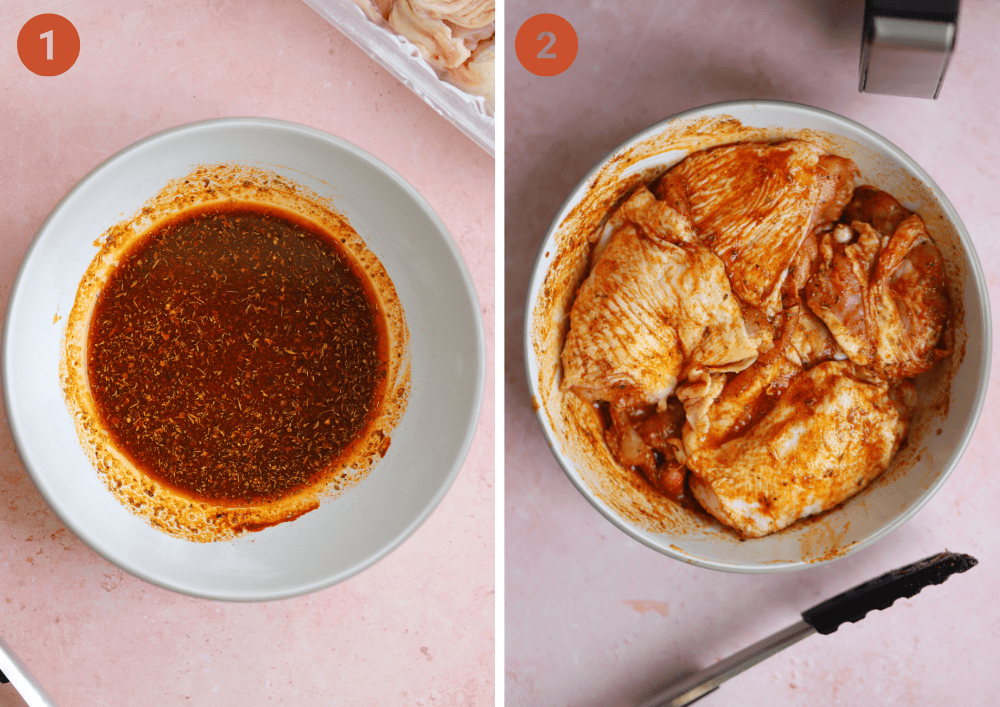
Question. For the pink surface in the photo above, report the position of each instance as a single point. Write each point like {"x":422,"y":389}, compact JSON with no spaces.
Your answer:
{"x":593,"y":617}
{"x":415,"y":629}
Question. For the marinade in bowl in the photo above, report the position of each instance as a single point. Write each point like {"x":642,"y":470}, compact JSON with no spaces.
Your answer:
{"x":235,"y":360}
{"x":408,"y":299}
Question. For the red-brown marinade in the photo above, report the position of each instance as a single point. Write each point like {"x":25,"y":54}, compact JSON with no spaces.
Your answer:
{"x":236,"y":354}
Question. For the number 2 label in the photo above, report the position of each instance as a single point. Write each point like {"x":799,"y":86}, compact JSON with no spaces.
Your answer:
{"x":544,"y":54}
{"x":535,"y":44}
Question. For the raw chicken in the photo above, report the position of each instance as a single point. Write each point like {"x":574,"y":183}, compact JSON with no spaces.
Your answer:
{"x":803,"y":265}
{"x":836,"y":176}
{"x":645,"y":439}
{"x":476,"y":75}
{"x":655,"y":310}
{"x":827,"y":437}
{"x":456,"y":37}
{"x":884,"y":299}
{"x":752,"y":330}
{"x":754,"y":204}
{"x":470,"y":14}
{"x":376,"y":9}
{"x":750,"y":395}
{"x":437,"y":28}
{"x":877,"y":208}
{"x":656,"y":304}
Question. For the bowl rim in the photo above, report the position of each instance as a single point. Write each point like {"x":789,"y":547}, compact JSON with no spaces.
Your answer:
{"x":537,"y":278}
{"x":468,"y":286}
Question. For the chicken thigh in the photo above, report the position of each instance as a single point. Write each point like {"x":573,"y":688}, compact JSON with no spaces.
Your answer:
{"x":655,"y":311}
{"x":827,"y":437}
{"x":750,"y":328}
{"x":655,"y":305}
{"x":753,"y":204}
{"x":883,"y":298}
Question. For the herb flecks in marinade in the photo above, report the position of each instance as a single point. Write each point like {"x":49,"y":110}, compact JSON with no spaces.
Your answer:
{"x":236,"y":353}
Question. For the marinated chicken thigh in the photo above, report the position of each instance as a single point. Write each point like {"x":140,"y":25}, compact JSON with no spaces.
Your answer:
{"x":827,"y":437}
{"x":883,"y":298}
{"x":877,"y":208}
{"x":656,"y":309}
{"x":753,"y":205}
{"x":749,"y":395}
{"x":750,"y":327}
{"x":656,"y":304}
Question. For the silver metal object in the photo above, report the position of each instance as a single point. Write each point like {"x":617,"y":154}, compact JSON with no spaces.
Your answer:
{"x":33,"y":694}
{"x":847,"y":607}
{"x":906,"y":45}
{"x":704,"y":682}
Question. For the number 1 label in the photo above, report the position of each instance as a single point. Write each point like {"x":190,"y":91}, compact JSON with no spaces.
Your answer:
{"x":47,"y":36}
{"x":38,"y":49}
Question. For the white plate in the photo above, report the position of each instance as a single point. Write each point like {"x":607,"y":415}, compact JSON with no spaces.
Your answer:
{"x":937,"y":437}
{"x":345,"y":535}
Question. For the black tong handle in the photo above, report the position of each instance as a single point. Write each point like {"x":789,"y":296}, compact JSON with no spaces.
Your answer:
{"x":881,"y":592}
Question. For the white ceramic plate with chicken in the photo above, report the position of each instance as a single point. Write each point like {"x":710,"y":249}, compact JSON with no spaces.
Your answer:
{"x":758,"y":337}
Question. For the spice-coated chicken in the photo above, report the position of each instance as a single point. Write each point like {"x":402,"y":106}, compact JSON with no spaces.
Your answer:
{"x":749,"y":328}
{"x":754,"y":204}
{"x":828,"y":436}
{"x":656,"y":310}
{"x":883,"y":297}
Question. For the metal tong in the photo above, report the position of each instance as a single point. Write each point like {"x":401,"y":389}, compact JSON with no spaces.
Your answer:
{"x":852,"y":605}
{"x":13,"y":671}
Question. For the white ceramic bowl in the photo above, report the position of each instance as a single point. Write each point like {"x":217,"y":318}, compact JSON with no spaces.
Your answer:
{"x":951,"y":396}
{"x":346,"y":534}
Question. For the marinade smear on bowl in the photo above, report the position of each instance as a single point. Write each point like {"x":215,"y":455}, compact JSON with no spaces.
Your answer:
{"x":236,"y":353}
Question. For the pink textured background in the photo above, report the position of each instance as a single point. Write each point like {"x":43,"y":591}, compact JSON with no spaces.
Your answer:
{"x":415,"y":629}
{"x":593,"y":618}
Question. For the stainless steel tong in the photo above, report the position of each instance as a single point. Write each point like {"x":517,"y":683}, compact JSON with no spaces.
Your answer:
{"x":852,"y":605}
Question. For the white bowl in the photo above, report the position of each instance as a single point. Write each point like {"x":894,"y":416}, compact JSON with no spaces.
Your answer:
{"x":345,"y":534}
{"x":951,"y":396}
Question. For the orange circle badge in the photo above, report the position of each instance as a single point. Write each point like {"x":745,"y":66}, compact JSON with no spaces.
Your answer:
{"x":546,"y":45}
{"x":48,"y":45}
